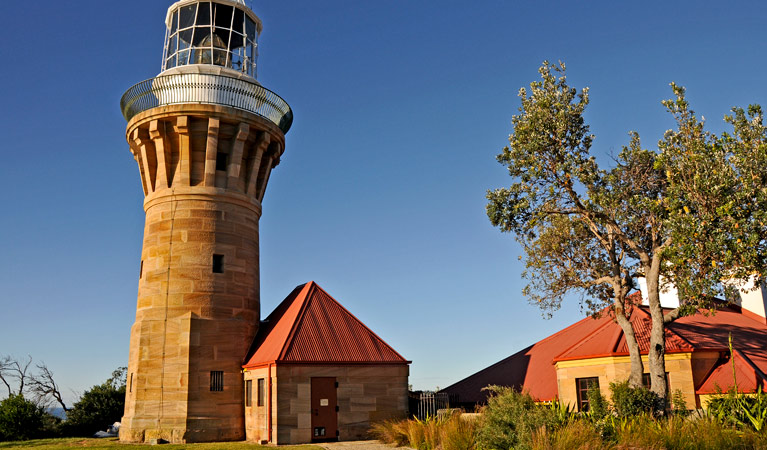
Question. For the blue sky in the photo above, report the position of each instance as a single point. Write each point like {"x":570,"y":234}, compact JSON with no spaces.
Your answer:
{"x":400,"y":108}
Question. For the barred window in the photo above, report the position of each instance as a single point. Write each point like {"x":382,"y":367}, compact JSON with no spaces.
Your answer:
{"x":216,"y":380}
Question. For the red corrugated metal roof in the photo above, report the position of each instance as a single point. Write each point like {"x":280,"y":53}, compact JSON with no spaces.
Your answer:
{"x":533,"y":368}
{"x":747,"y":375}
{"x":609,"y":340}
{"x":310,"y":326}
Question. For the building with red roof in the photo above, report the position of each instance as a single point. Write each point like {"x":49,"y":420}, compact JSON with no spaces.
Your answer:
{"x":593,"y":350}
{"x":315,"y":372}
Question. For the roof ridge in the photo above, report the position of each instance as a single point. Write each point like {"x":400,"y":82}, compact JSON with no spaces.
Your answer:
{"x":299,"y":318}
{"x":753,"y":366}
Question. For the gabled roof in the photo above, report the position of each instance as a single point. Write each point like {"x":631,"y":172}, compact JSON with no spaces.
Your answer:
{"x":310,"y":326}
{"x":533,"y":368}
{"x":609,"y":339}
{"x":748,"y":377}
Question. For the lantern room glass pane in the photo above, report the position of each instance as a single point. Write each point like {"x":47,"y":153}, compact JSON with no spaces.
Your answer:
{"x":238,"y":24}
{"x":250,"y":28}
{"x":174,"y":22}
{"x":183,"y":57}
{"x":222,"y":15}
{"x":203,"y":14}
{"x":200,"y":34}
{"x":184,"y":39}
{"x":186,"y":18}
{"x":237,"y":41}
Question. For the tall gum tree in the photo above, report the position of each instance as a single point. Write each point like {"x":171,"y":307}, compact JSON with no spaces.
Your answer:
{"x":594,"y":231}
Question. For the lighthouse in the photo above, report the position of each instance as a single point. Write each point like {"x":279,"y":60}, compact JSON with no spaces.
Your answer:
{"x":205,"y":136}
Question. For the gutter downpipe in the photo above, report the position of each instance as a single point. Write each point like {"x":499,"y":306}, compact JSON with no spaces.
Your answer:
{"x":269,"y":403}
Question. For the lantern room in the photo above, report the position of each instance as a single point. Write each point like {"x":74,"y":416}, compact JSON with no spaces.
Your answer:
{"x":222,"y":33}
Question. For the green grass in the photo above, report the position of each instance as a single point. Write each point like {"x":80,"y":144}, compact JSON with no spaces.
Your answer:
{"x":113,"y":443}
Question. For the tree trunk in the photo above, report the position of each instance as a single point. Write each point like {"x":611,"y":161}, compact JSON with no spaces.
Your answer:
{"x":637,"y":369}
{"x":656,"y":357}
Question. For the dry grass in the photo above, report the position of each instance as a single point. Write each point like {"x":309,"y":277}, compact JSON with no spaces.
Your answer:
{"x":113,"y":444}
{"x":449,"y":433}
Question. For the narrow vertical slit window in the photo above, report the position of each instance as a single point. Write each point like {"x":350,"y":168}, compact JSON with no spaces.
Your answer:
{"x":221,"y":161}
{"x":248,"y":392}
{"x":218,"y":263}
{"x":130,"y":385}
{"x":141,"y":270}
{"x":261,"y":392}
{"x":216,"y":380}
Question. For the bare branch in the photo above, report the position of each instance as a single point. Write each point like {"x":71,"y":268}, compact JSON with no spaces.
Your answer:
{"x":5,"y":367}
{"x":44,"y":387}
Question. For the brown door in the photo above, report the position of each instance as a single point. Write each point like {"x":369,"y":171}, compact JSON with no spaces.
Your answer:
{"x":324,"y":411}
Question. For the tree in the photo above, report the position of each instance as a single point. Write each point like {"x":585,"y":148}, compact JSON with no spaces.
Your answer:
{"x":20,"y":419}
{"x":98,"y":407}
{"x":569,"y":215}
{"x":14,"y":369}
{"x":594,"y":231}
{"x":44,"y":387}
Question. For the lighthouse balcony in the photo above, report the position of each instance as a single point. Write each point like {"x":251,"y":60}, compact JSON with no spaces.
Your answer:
{"x":207,"y":88}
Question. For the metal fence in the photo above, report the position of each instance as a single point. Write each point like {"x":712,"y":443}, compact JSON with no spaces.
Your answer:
{"x":429,"y":404}
{"x":208,"y":89}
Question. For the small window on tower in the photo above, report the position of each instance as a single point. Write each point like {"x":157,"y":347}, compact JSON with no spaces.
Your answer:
{"x":221,"y":160}
{"x":141,"y":270}
{"x":218,"y":263}
{"x":216,"y":380}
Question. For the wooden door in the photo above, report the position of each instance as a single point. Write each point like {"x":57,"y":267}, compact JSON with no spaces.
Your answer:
{"x":324,"y":409}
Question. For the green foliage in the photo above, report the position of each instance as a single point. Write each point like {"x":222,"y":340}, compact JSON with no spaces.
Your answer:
{"x":679,"y":404}
{"x":98,"y":408}
{"x":629,"y":401}
{"x":599,"y":407}
{"x":694,"y":211}
{"x":20,"y":419}
{"x":510,"y":419}
{"x":744,"y":411}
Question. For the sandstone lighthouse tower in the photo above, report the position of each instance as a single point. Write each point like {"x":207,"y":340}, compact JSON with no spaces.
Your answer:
{"x":206,"y":136}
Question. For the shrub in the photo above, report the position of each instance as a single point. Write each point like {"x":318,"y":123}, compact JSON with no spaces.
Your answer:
{"x":20,"y":419}
{"x":629,"y":401}
{"x":744,"y":411}
{"x":599,"y":407}
{"x":98,"y":408}
{"x":679,"y":404}
{"x":510,"y":418}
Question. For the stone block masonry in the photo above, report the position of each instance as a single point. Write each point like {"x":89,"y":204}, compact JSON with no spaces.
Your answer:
{"x":204,"y":171}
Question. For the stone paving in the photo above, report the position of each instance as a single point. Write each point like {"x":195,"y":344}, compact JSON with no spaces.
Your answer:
{"x":359,"y":445}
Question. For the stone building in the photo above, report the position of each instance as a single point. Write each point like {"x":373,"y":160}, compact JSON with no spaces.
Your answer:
{"x":317,"y":372}
{"x":564,"y":365}
{"x":206,"y":136}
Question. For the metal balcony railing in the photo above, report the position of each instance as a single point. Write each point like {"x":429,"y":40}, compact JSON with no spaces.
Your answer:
{"x":207,"y":89}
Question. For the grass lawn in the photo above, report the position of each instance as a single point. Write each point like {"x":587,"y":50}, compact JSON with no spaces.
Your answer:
{"x":113,"y":443}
